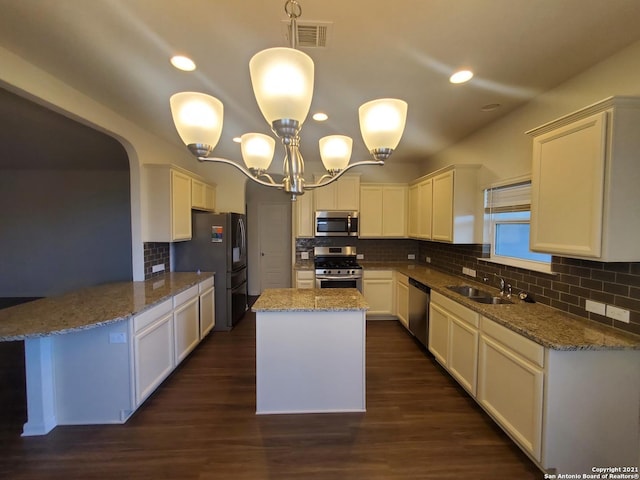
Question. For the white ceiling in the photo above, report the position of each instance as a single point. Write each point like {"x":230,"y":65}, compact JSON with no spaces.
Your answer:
{"x":117,"y":52}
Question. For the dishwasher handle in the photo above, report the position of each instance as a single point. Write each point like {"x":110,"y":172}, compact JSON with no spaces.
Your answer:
{"x":419,"y":286}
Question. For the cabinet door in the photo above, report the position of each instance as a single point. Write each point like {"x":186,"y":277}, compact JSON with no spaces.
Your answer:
{"x":414,"y":211}
{"x":304,"y":215}
{"x":442,"y":228}
{"x":371,"y":212}
{"x":425,"y":210}
{"x":394,"y":211}
{"x":463,"y":353}
{"x":207,"y":312}
{"x":180,"y":206}
{"x":209,"y":198}
{"x":186,"y":326}
{"x":379,"y":296}
{"x":325,"y":197}
{"x":348,"y":193}
{"x":305,"y":279}
{"x":197,"y":194}
{"x":402,"y":300}
{"x":153,"y":356}
{"x":567,"y":188}
{"x":438,"y":333}
{"x":511,"y":390}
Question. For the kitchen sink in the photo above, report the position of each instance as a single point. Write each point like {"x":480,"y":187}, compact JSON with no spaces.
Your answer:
{"x":468,"y":291}
{"x":477,"y":295}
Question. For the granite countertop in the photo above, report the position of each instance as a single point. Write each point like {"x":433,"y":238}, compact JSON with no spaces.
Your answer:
{"x":544,"y":325}
{"x":310,"y":300}
{"x":91,"y":307}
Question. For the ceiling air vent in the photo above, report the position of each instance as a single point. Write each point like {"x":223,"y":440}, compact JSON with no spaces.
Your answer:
{"x":310,"y":34}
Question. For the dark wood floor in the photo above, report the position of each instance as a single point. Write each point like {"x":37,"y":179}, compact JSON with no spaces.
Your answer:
{"x":200,"y":424}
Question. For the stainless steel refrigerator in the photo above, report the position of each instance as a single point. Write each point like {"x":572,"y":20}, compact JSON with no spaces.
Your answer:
{"x":219,"y":244}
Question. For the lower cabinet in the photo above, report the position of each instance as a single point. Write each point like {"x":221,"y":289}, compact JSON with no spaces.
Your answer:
{"x":402,"y":299}
{"x":305,"y":279}
{"x":453,"y":339}
{"x":511,"y":382}
{"x":207,"y":307}
{"x":153,"y":349}
{"x":186,"y":322}
{"x":377,"y":288}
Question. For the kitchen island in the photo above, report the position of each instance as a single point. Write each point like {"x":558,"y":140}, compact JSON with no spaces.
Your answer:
{"x":310,"y":351}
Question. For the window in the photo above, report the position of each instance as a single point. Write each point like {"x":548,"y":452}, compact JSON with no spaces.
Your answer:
{"x":508,"y":211}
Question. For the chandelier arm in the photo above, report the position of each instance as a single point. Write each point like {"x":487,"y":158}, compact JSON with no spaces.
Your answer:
{"x":270,"y":183}
{"x":322,"y":183}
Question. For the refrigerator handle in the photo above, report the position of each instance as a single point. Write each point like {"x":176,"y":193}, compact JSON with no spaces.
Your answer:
{"x":243,"y":237}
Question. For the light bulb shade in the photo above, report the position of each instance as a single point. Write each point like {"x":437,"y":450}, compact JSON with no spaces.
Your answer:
{"x":282,"y":80}
{"x":257,"y":150}
{"x":335,"y":152}
{"x":197,"y":117}
{"x":382,"y":122}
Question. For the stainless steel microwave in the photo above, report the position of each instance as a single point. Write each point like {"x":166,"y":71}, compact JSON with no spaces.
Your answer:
{"x":336,"y":224}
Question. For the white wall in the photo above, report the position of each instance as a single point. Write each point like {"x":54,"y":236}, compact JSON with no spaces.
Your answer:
{"x":504,"y":149}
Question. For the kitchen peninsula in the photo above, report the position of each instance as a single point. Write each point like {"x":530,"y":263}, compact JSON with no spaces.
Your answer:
{"x":94,"y":355}
{"x":310,"y":351}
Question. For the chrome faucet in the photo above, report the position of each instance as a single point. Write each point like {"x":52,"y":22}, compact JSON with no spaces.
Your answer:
{"x":505,"y":288}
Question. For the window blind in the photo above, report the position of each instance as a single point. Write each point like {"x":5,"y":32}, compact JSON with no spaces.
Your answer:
{"x":509,"y":198}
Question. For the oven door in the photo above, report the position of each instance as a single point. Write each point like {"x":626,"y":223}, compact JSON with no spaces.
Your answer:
{"x":339,"y":281}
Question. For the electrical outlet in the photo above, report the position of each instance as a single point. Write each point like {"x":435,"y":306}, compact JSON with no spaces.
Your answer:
{"x":117,"y":337}
{"x":618,"y":313}
{"x":595,"y":307}
{"x":411,"y":256}
{"x":360,"y":256}
{"x":469,"y":271}
{"x":428,"y":259}
{"x":157,"y":268}
{"x":304,"y":255}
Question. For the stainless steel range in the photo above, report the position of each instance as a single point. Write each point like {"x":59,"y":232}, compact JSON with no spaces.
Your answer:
{"x":337,"y":267}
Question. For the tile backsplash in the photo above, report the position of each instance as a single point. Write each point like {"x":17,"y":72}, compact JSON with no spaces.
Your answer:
{"x":155,"y":253}
{"x":567,"y":288}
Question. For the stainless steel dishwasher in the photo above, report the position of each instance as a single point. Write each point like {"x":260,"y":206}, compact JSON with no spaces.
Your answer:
{"x":419,"y":296}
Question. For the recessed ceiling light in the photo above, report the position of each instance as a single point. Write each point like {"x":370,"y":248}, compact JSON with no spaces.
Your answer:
{"x":237,"y":139}
{"x":461,"y":76}
{"x":320,"y":117}
{"x":490,"y":107}
{"x":183,"y":63}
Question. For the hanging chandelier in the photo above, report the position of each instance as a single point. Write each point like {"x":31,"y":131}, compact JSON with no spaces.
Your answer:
{"x":282,"y":80}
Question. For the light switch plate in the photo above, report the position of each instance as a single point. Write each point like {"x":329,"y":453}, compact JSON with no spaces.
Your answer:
{"x":360,"y":256}
{"x":157,"y":268}
{"x":411,"y":256}
{"x":304,"y":255}
{"x":618,"y":313}
{"x":595,"y":307}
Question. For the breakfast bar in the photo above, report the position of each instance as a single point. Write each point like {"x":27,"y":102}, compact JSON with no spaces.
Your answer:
{"x":310,"y":351}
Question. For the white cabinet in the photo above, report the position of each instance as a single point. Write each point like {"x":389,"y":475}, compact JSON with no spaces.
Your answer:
{"x":167,"y":204}
{"x":453,"y":339}
{"x":584,"y":185}
{"x":510,"y":385}
{"x":186,"y":323}
{"x":445,"y":206}
{"x":402,"y":299}
{"x":413,"y":216}
{"x":343,"y":194}
{"x":378,"y":289}
{"x":383,"y":211}
{"x":202,"y":196}
{"x":303,"y":215}
{"x":206,"y":291}
{"x":305,"y":279}
{"x":153,"y":349}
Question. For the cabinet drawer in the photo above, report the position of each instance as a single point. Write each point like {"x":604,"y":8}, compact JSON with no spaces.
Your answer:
{"x":182,"y":297}
{"x":402,"y":279}
{"x":460,"y":311}
{"x":154,"y":313}
{"x":305,"y":275}
{"x":377,"y":274}
{"x":519,"y":344}
{"x":205,"y":285}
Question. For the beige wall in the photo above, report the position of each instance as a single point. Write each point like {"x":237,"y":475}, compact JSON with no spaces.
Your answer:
{"x":504,"y":149}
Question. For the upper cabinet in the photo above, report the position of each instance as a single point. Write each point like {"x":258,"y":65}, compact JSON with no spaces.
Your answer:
{"x":584,"y":185}
{"x":170,"y":193}
{"x":383,"y":211}
{"x":443,"y":206}
{"x":202,"y":196}
{"x":343,"y":194}
{"x":303,"y":215}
